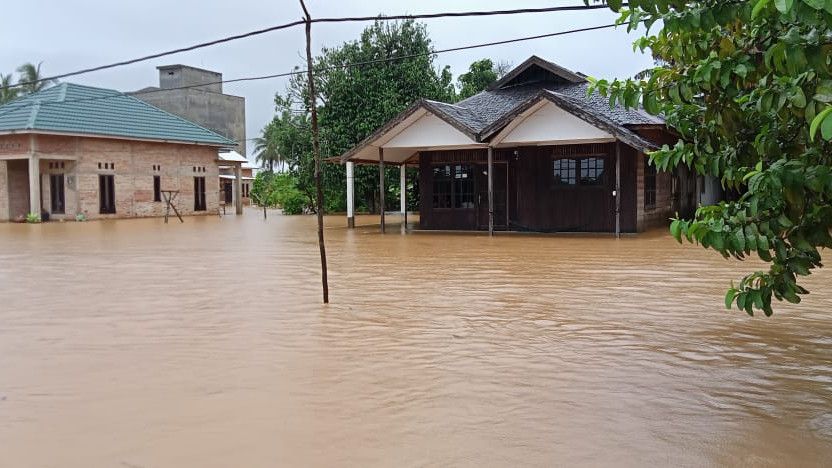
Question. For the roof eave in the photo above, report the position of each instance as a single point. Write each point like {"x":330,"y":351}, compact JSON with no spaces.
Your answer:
{"x":420,"y":104}
{"x":115,"y":137}
{"x":620,"y":132}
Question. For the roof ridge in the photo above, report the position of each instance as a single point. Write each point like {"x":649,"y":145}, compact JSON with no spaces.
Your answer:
{"x":446,"y":104}
{"x":33,"y":115}
{"x":62,"y":92}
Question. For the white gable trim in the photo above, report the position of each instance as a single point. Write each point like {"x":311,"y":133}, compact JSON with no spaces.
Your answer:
{"x":420,"y":131}
{"x":546,"y":123}
{"x":426,"y":131}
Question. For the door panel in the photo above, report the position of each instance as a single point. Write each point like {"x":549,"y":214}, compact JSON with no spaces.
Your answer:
{"x":57,"y":194}
{"x":499,"y":196}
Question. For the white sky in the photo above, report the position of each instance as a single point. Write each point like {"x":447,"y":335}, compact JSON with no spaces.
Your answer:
{"x":72,"y":34}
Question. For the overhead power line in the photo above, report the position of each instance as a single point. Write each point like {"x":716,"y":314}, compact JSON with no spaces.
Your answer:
{"x":301,"y":22}
{"x":334,"y":67}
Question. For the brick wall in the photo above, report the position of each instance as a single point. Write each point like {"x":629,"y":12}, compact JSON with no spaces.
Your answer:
{"x":17,"y":188}
{"x":132,"y":165}
{"x":4,"y":191}
{"x":658,"y":215}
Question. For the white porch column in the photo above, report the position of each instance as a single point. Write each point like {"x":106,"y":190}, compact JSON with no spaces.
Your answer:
{"x":238,"y":186}
{"x":34,"y":178}
{"x":350,"y":194}
{"x":403,"y":189}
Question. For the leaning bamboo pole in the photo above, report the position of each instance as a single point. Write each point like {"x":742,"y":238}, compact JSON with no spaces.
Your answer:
{"x":316,"y":150}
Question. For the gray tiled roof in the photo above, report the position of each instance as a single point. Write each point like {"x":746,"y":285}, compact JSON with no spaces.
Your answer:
{"x":488,"y":107}
{"x":601,"y":105}
{"x":482,"y":115}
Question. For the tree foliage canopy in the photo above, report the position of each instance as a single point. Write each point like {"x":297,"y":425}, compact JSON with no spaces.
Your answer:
{"x":27,"y":73}
{"x":479,"y":76}
{"x":747,"y":85}
{"x":356,"y":100}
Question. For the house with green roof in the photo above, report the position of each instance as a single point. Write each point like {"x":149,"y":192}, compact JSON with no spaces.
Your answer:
{"x":75,"y":150}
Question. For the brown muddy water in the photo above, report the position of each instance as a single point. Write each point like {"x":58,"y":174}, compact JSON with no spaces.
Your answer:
{"x":138,"y":344}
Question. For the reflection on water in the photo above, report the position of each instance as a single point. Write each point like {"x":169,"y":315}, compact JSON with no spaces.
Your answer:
{"x":140,"y":344}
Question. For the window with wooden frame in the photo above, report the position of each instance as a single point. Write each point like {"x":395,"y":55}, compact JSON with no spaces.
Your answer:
{"x":442,"y":187}
{"x":464,"y":186}
{"x":453,"y":187}
{"x":565,"y":171}
{"x":649,"y":185}
{"x":592,"y":171}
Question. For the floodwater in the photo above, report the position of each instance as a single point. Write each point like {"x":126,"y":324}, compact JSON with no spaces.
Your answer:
{"x":138,"y":344}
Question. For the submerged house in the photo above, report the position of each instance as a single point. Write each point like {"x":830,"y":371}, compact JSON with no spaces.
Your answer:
{"x":235,"y":167}
{"x":534,"y":152}
{"x":72,"y":149}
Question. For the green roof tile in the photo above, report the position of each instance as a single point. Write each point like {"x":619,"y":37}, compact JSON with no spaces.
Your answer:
{"x":73,"y":108}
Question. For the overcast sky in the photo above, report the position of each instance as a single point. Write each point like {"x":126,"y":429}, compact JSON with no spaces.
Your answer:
{"x":72,"y":34}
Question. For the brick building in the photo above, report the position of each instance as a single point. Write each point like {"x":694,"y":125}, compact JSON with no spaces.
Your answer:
{"x":229,"y":162}
{"x":197,"y":95}
{"x":72,"y":149}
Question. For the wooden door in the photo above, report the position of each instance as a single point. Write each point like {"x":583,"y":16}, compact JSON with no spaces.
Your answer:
{"x":499,"y":196}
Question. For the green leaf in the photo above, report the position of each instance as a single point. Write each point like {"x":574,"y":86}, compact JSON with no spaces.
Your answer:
{"x":797,"y":97}
{"x":676,"y":230}
{"x":759,"y":7}
{"x":614,"y":5}
{"x":813,"y":128}
{"x":816,"y":4}
{"x":783,"y":5}
{"x":729,"y":297}
{"x":823,"y":93}
{"x":826,"y":128}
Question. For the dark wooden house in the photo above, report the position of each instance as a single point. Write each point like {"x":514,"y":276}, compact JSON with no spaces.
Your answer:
{"x":534,"y":152}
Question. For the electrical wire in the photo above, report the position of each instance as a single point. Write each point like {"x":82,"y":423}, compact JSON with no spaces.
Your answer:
{"x":301,"y":22}
{"x":330,"y":68}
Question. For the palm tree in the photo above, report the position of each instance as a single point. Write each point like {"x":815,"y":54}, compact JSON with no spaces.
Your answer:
{"x":30,"y":79}
{"x":7,"y":93}
{"x":266,"y":150}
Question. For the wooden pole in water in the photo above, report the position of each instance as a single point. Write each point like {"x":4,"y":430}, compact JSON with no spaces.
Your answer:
{"x":617,"y":189}
{"x":316,"y":148}
{"x":490,"y":191}
{"x":381,"y":185}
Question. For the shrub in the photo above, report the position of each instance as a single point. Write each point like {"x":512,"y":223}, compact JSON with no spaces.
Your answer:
{"x":32,"y":218}
{"x":279,"y":189}
{"x":294,"y":203}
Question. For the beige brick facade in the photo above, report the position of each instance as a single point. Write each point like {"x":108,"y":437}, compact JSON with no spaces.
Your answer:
{"x":659,"y":214}
{"x":132,"y":163}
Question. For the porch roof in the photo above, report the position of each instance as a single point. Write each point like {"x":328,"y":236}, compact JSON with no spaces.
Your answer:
{"x":424,"y":126}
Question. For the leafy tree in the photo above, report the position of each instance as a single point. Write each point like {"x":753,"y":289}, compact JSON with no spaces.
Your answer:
{"x":502,"y":67}
{"x":747,"y":85}
{"x":30,"y":73}
{"x":279,"y":189}
{"x":479,"y":76}
{"x":7,"y":93}
{"x":356,"y":100}
{"x":266,"y":150}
